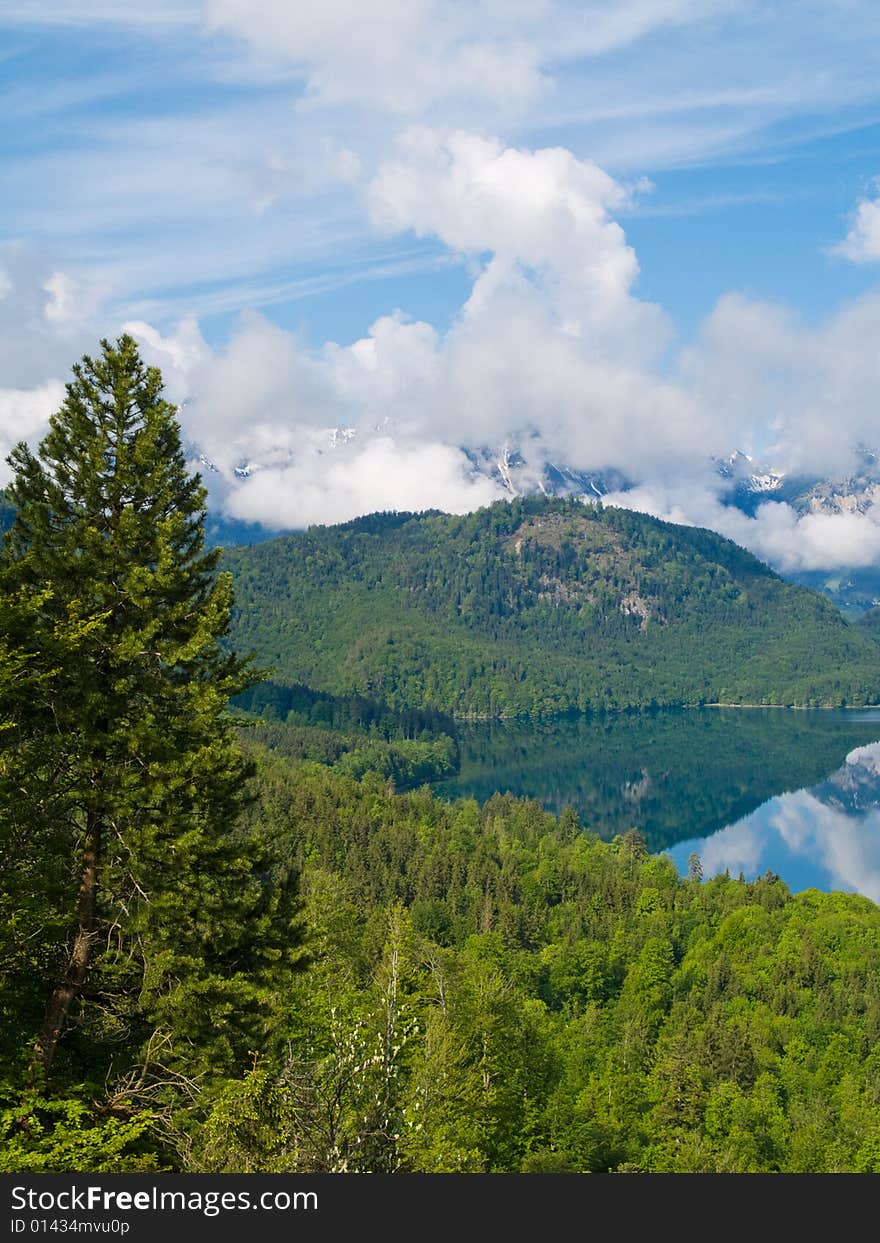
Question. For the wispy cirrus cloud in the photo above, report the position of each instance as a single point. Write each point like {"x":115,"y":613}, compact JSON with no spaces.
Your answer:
{"x":235,"y":142}
{"x":79,"y":13}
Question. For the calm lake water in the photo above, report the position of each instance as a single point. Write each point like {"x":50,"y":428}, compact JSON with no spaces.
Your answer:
{"x":748,"y":789}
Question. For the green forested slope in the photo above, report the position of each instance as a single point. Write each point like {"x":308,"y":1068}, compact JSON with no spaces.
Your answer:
{"x":494,"y":990}
{"x":541,"y":606}
{"x":869,"y":624}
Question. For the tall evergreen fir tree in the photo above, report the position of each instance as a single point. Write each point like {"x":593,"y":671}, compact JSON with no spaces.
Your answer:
{"x":147,"y":932}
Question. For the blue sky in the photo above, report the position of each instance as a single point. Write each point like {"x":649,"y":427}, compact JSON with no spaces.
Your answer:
{"x":754,"y":175}
{"x":633,"y":234}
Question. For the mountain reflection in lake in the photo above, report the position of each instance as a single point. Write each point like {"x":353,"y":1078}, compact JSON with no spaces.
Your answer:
{"x":748,"y":789}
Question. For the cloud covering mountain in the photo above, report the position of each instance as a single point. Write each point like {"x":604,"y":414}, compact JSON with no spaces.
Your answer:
{"x":552,"y":350}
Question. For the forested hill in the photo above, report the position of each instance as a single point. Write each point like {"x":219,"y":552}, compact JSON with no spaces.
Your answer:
{"x":538,"y":606}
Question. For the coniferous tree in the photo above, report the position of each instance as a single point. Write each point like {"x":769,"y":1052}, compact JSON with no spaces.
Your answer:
{"x":151,"y":929}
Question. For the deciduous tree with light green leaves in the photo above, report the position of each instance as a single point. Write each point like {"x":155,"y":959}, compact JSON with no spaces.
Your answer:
{"x":147,"y":934}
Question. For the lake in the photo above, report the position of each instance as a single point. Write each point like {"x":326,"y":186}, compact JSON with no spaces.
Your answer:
{"x":750,"y":790}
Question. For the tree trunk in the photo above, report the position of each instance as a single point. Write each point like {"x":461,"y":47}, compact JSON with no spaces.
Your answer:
{"x":68,"y":989}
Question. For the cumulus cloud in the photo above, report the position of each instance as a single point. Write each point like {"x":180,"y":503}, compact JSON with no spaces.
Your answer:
{"x":476,"y":195}
{"x":179,"y":354}
{"x":776,"y":533}
{"x":862,"y":242}
{"x":322,"y":486}
{"x":24,"y":415}
{"x":304,"y":436}
{"x":812,"y":541}
{"x":552,"y":345}
{"x":552,"y":337}
{"x":801,"y":400}
{"x":801,"y":396}
{"x":44,"y":317}
{"x":544,"y":215}
{"x":48,"y":315}
{"x":552,"y":352}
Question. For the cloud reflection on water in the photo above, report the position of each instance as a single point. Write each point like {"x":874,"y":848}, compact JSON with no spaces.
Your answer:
{"x":827,"y":837}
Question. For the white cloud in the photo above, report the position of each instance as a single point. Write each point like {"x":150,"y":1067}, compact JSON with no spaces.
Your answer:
{"x":323,"y":486}
{"x":542,"y":212}
{"x":862,"y":242}
{"x":802,"y":396}
{"x":179,"y":355}
{"x":400,"y":55}
{"x":552,"y":350}
{"x":776,"y":533}
{"x":250,"y":402}
{"x":551,"y":337}
{"x":63,"y":308}
{"x":24,"y":415}
{"x":390,"y":373}
{"x":477,"y":195}
{"x":411,"y":56}
{"x":48,"y":317}
{"x":813,"y":541}
{"x":552,"y":344}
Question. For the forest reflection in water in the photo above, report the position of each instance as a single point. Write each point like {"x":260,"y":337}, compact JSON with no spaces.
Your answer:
{"x":794,"y":792}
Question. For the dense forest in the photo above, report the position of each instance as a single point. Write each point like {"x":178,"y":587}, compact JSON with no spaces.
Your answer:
{"x":869,"y":623}
{"x":536,"y":999}
{"x":354,"y":734}
{"x":217,"y":955}
{"x":540,"y":606}
{"x":495,"y":989}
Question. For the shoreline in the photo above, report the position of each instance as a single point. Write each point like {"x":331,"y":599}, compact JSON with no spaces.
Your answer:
{"x":797,"y":707}
{"x":475,"y":718}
